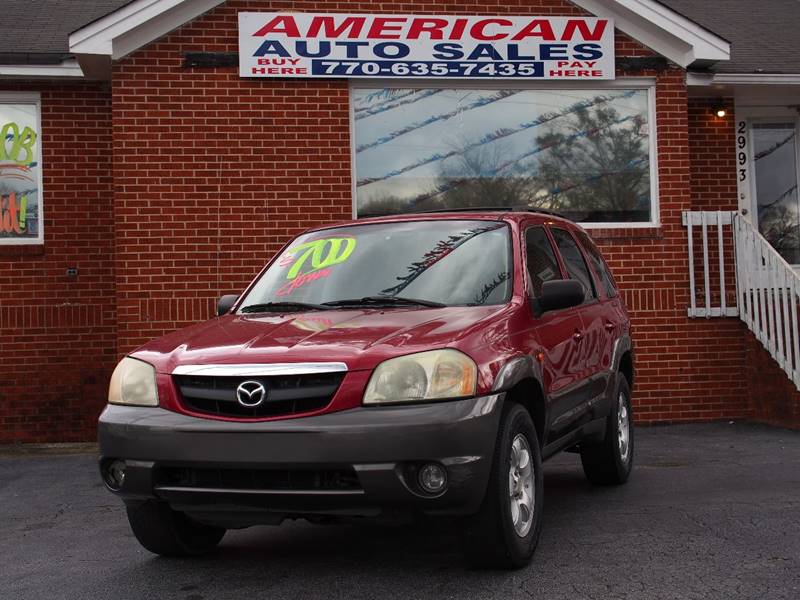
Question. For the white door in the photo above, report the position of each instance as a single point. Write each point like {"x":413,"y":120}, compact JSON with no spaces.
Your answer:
{"x":767,"y":155}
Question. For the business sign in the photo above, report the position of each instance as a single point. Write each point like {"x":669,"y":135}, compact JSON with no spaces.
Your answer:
{"x":420,"y":47}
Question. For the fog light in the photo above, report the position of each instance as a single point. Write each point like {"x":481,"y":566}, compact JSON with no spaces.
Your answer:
{"x":432,"y":478}
{"x":114,"y":474}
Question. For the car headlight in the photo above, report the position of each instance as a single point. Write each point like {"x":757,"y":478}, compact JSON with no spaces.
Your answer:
{"x":433,"y":375}
{"x":133,"y":383}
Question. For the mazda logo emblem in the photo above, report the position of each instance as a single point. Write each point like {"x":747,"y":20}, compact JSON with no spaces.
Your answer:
{"x":251,"y":393}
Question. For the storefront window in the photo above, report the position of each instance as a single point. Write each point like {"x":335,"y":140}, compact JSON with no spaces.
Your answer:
{"x":585,"y":154}
{"x":20,"y":172}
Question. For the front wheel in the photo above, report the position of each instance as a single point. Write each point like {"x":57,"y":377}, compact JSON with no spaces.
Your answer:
{"x":610,"y":462}
{"x":506,"y":529}
{"x":167,"y":532}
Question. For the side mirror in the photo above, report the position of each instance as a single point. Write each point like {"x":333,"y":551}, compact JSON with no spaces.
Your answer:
{"x":226,"y":303}
{"x":560,"y":293}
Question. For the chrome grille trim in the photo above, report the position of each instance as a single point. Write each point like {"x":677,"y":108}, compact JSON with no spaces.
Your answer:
{"x":260,"y":370}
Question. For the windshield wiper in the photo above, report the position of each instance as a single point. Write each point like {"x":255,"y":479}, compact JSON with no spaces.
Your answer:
{"x":385,"y":301}
{"x":282,"y":307}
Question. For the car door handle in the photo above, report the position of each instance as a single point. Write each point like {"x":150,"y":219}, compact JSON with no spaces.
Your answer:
{"x":577,"y":336}
{"x":609,"y":326}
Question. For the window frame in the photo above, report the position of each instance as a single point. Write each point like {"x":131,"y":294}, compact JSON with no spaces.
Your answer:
{"x":34,"y":98}
{"x":633,"y":83}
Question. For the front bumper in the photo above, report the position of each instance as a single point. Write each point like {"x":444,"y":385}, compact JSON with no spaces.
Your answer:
{"x":378,"y":444}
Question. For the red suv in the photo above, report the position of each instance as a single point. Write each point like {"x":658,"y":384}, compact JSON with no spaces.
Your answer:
{"x":422,"y":364}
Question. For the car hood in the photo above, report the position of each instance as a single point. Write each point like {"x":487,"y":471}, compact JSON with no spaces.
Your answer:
{"x":359,"y":338}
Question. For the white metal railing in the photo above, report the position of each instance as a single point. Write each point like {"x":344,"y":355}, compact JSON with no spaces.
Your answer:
{"x":768,"y":289}
{"x":706,"y":306}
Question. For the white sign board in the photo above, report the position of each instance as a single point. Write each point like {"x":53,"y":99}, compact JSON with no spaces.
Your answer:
{"x":419,"y":47}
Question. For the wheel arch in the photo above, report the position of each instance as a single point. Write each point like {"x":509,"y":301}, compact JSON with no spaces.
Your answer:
{"x":626,"y":366}
{"x":623,"y":358}
{"x":520,"y":379}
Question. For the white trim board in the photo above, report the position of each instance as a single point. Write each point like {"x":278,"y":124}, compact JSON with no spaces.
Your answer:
{"x":137,"y":24}
{"x":129,"y":28}
{"x":669,"y":33}
{"x":68,"y":69}
{"x":703,"y":79}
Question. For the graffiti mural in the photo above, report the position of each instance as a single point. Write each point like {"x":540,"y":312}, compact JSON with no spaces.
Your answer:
{"x":20,"y":174}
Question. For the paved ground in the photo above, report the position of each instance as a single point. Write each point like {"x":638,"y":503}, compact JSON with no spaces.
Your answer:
{"x":712,"y":511}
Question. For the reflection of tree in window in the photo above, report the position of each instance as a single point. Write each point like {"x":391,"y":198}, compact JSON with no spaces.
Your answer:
{"x":776,"y":183}
{"x":433,"y":256}
{"x":489,"y":288}
{"x":778,"y":224}
{"x":591,"y":165}
{"x":584,"y":155}
{"x":596,"y":167}
{"x":470,"y":179}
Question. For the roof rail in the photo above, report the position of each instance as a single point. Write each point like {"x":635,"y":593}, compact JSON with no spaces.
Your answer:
{"x":490,"y":209}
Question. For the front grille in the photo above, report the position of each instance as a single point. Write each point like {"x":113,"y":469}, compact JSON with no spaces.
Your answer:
{"x":258,"y":479}
{"x":286,"y":394}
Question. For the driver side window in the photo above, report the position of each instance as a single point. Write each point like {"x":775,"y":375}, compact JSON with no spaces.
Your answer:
{"x":574,"y":262}
{"x":541,"y":260}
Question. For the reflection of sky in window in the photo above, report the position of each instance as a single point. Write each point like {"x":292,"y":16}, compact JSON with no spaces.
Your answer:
{"x":776,"y":186}
{"x":470,"y":123}
{"x":776,"y":167}
{"x":24,"y":115}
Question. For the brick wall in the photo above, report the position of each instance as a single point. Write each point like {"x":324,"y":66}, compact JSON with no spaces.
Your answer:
{"x":772,"y":397}
{"x":713,"y":154}
{"x":57,"y":334}
{"x":233,"y":167}
{"x":687,"y":369}
{"x":213,"y":173}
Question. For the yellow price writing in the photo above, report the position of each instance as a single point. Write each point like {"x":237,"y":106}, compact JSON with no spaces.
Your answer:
{"x":322,"y":253}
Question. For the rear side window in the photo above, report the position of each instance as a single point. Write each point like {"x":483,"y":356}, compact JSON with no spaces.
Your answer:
{"x":599,"y":264}
{"x":573,"y":260}
{"x":542,"y":263}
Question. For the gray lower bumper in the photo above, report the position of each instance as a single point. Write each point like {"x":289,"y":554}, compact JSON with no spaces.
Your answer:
{"x":375,"y":442}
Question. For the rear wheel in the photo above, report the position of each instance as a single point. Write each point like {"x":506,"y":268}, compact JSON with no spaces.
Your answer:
{"x":167,"y":532}
{"x":506,"y":529}
{"x":610,"y":462}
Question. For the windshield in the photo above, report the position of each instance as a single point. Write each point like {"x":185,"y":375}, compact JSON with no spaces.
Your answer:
{"x":446,"y":262}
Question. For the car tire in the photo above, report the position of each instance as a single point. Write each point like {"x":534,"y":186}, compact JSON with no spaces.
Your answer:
{"x":610,"y":462}
{"x":167,"y":532}
{"x":500,"y":535}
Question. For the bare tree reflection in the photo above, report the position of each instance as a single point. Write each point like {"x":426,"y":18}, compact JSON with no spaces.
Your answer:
{"x":596,"y":167}
{"x":779,"y":225}
{"x":473,"y":179}
{"x":591,"y":165}
{"x":488,"y":289}
{"x":441,"y":249}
